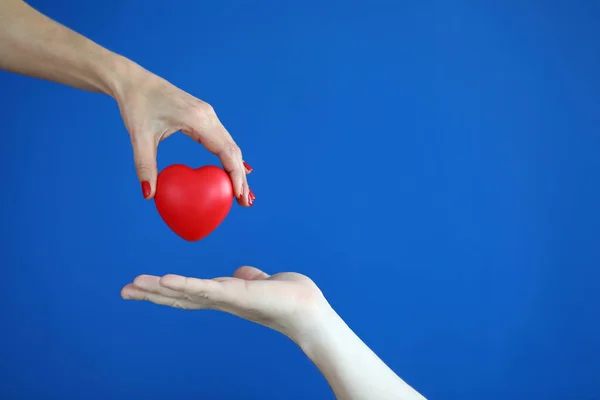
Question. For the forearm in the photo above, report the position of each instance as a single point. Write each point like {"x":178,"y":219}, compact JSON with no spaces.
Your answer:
{"x":34,"y":45}
{"x":353,"y":371}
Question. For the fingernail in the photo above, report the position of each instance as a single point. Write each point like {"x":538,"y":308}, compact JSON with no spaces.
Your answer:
{"x":146,"y":190}
{"x":251,"y":197}
{"x":247,"y":166}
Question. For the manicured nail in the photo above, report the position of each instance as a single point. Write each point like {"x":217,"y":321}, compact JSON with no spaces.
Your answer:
{"x":251,"y":197}
{"x":247,"y":166}
{"x":146,"y":190}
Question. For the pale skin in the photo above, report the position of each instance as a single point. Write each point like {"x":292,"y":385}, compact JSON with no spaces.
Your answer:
{"x":152,"y":110}
{"x":293,"y":305}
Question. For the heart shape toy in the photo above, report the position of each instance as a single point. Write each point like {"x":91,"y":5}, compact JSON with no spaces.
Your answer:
{"x":193,"y":202}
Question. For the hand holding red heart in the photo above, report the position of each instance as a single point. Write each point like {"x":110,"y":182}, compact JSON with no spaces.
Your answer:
{"x":153,"y":109}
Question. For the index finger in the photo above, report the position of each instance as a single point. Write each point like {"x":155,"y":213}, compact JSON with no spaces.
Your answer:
{"x":233,"y":163}
{"x":224,"y":294}
{"x":188,"y":285}
{"x":218,"y":141}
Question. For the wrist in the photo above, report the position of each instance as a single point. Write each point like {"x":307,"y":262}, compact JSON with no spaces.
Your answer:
{"x":322,"y":327}
{"x":117,"y":74}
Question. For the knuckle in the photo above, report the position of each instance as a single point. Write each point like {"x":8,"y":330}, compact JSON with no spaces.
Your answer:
{"x":205,"y":296}
{"x":176,"y":304}
{"x":204,"y":116}
{"x":143,"y":169}
{"x":232,"y":149}
{"x":205,"y":111}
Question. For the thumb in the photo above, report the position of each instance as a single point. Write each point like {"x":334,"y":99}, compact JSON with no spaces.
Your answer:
{"x":250,"y":274}
{"x":144,"y":157}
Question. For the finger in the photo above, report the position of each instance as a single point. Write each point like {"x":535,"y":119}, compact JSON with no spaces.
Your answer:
{"x":247,"y":167}
{"x":205,"y":127}
{"x":149,"y":283}
{"x":231,"y":158}
{"x":250,"y":274}
{"x":240,"y":184}
{"x":208,"y":290}
{"x":131,"y":292}
{"x":144,"y":157}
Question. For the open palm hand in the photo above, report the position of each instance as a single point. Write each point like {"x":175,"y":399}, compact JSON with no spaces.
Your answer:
{"x":283,"y":301}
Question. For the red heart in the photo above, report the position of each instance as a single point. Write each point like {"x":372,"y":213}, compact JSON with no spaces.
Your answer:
{"x":193,"y":202}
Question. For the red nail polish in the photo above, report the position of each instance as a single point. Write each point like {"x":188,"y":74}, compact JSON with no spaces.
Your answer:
{"x":146,"y":190}
{"x":247,"y":166}
{"x":251,"y":196}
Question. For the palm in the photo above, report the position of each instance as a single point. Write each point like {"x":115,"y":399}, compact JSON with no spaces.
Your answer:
{"x":250,"y":294}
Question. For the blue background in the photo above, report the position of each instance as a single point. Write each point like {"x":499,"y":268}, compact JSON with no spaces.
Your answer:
{"x":433,"y":166}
